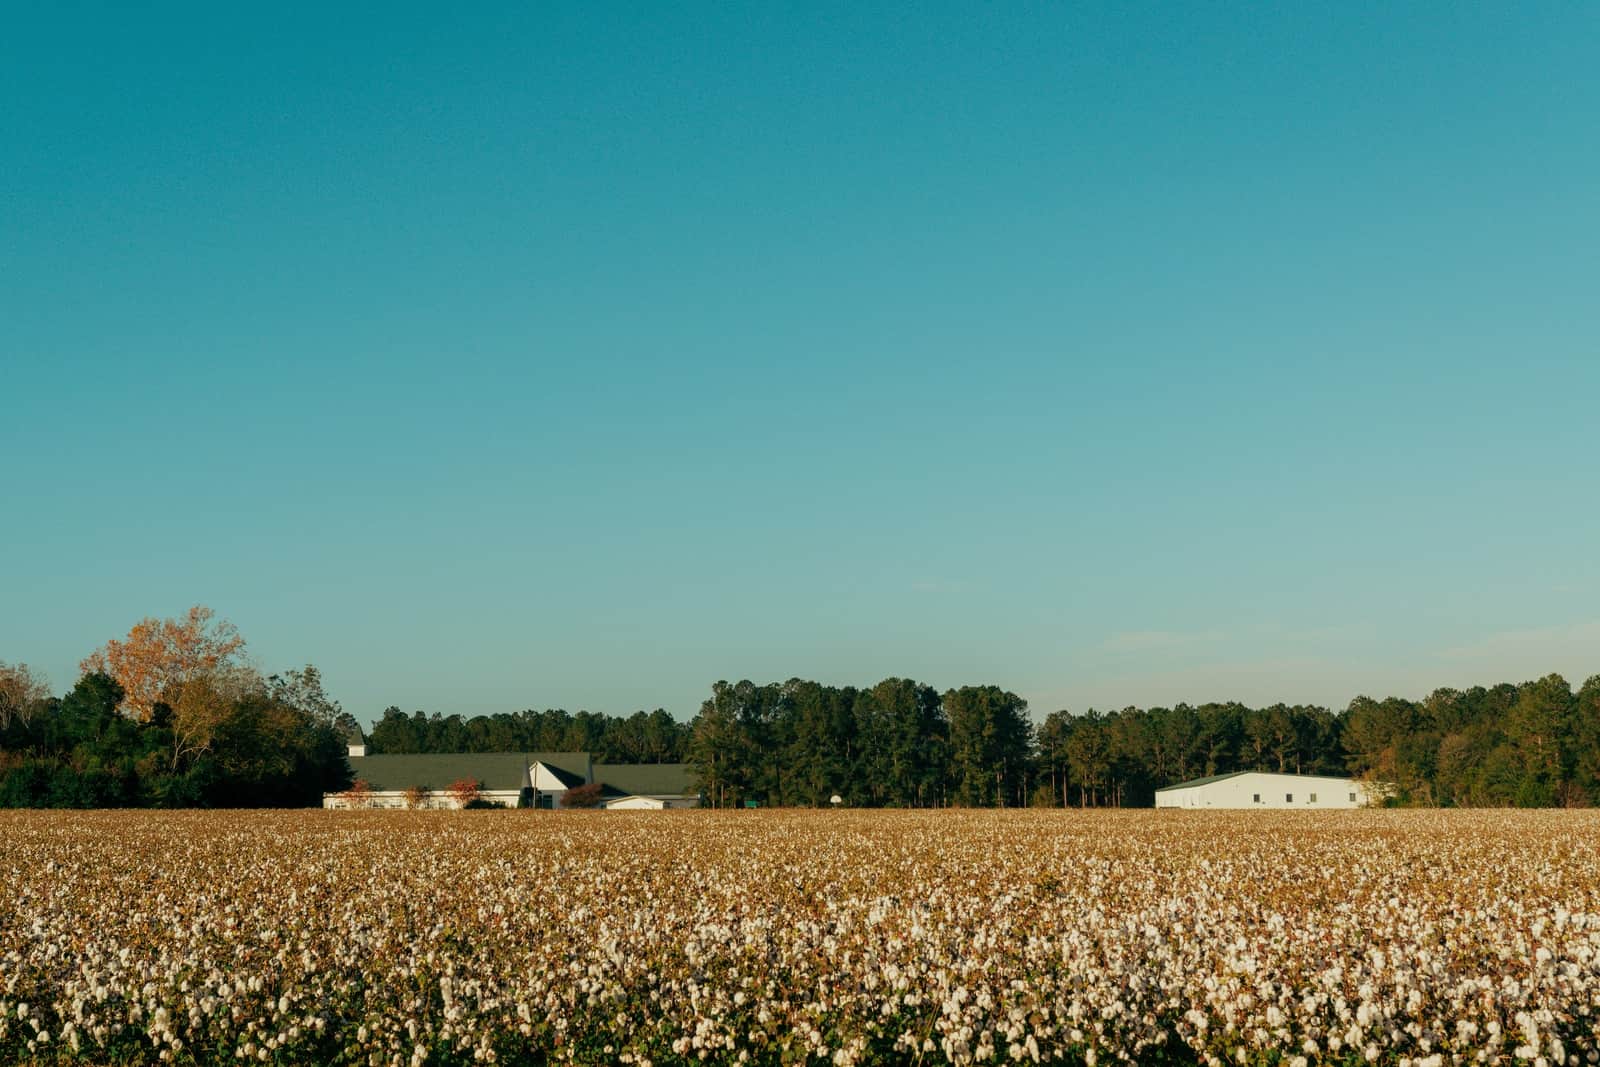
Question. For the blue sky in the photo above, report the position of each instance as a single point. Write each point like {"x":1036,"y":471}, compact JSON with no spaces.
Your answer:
{"x":580,"y":355}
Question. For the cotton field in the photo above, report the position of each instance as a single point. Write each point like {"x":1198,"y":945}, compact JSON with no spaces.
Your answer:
{"x":404,"y":938}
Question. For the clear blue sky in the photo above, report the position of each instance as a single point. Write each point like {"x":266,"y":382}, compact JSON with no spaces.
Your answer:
{"x":580,"y":355}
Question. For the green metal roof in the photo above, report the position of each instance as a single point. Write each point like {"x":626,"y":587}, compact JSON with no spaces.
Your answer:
{"x":508,"y":770}
{"x":1203,"y":781}
{"x":495,"y":770}
{"x":645,"y":779}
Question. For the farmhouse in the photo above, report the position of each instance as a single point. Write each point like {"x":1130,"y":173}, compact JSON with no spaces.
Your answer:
{"x":1259,"y":789}
{"x":510,"y":780}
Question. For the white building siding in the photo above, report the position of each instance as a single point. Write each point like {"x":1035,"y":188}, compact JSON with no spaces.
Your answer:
{"x":435,"y":799}
{"x":545,"y":780}
{"x":1257,"y":789}
{"x":652,"y":803}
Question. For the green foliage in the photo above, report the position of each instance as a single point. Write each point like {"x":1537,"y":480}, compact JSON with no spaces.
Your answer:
{"x":582,"y":796}
{"x":990,"y":739}
{"x":898,"y":743}
{"x":643,"y":737}
{"x":270,"y":748}
{"x":901,"y":743}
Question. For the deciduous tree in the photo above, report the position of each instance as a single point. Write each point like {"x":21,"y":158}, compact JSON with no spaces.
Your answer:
{"x":303,"y":689}
{"x":23,"y":691}
{"x":464,"y":790}
{"x":582,"y":796}
{"x":159,"y":655}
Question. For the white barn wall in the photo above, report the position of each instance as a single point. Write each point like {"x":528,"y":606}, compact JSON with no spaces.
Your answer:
{"x":545,"y":780}
{"x":652,"y":803}
{"x":1274,"y":792}
{"x":436,"y":799}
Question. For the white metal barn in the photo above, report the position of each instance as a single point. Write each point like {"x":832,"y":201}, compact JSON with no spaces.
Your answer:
{"x":1260,"y":789}
{"x":650,"y":803}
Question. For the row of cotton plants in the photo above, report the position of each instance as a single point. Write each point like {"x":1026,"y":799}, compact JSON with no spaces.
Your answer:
{"x":406,"y":938}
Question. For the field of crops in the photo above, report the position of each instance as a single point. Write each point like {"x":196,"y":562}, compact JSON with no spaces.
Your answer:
{"x":399,"y":938}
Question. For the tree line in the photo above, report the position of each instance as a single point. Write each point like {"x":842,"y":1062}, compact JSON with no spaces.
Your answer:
{"x":902,"y":743}
{"x":264,"y":749}
{"x":643,"y":737}
{"x":173,"y":715}
{"x":170,"y":716}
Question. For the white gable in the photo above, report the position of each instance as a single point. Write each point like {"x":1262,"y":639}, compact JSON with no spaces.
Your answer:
{"x":544,"y":779}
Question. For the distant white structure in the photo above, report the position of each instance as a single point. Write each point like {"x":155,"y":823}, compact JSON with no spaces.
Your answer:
{"x":650,"y":803}
{"x":1260,"y":789}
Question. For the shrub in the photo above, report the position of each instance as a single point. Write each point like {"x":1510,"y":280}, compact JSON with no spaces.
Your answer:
{"x":464,"y":791}
{"x":583,"y":796}
{"x":359,"y":795}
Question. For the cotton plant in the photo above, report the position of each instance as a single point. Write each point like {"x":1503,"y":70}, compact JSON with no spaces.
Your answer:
{"x":1416,"y":939}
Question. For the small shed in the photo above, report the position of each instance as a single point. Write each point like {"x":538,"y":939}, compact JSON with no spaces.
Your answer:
{"x":635,"y":786}
{"x":637,"y":802}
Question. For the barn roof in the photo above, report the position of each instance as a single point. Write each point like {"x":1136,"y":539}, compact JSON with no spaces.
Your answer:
{"x":1202,"y":781}
{"x":645,"y":779}
{"x":1311,"y":780}
{"x":496,"y":770}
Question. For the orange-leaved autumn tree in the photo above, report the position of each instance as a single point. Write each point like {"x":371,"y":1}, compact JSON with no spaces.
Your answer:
{"x":464,"y":790}
{"x":359,"y":795}
{"x":160,"y":655}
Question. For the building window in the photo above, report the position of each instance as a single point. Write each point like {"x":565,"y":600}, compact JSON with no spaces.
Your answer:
{"x":1288,"y":798}
{"x":1312,"y":799}
{"x":1255,"y":798}
{"x":1352,"y":798}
